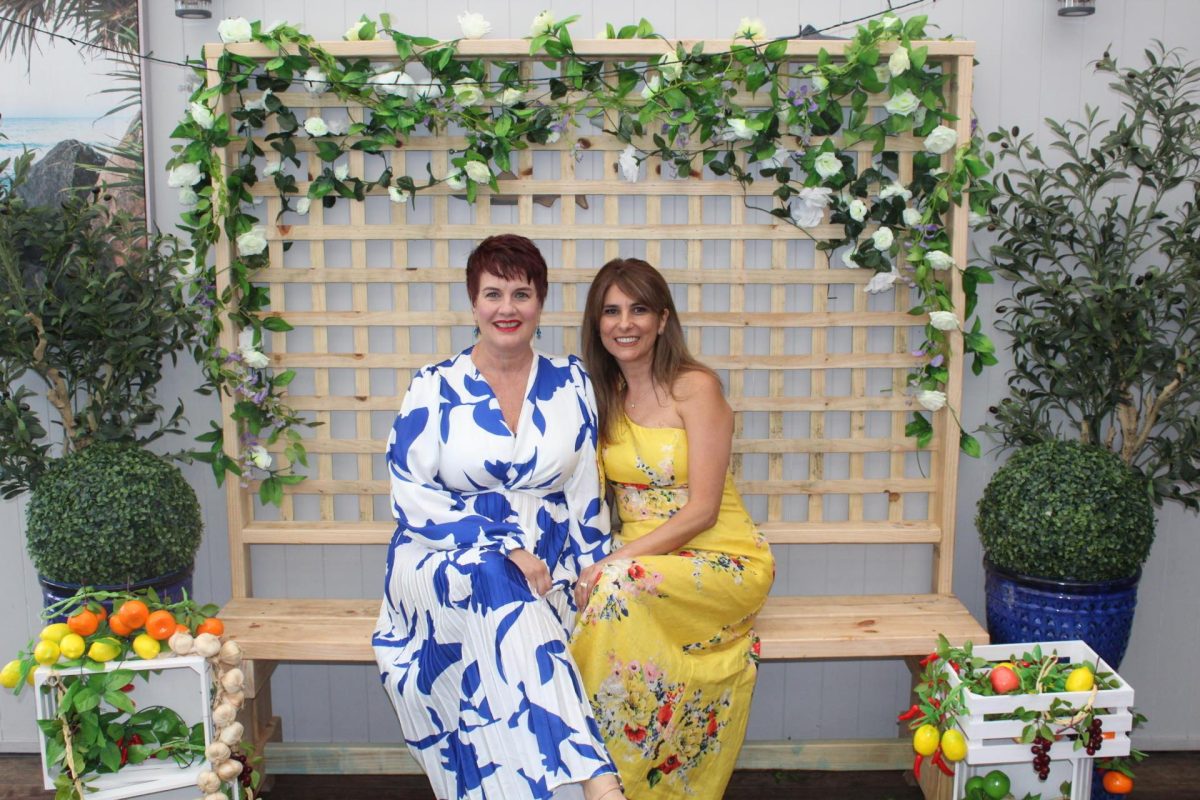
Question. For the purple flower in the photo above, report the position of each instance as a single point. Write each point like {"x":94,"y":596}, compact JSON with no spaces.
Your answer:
{"x":937,"y":360}
{"x":918,"y":353}
{"x":261,"y":395}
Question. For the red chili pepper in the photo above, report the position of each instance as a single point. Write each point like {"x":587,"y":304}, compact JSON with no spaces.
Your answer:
{"x":933,"y":701}
{"x":127,"y":687}
{"x":927,"y":660}
{"x":940,"y":764}
{"x":912,"y":712}
{"x":917,"y":766}
{"x":954,"y":666}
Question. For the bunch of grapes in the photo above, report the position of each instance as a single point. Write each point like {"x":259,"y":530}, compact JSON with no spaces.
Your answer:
{"x":1095,"y":736}
{"x":247,"y":773}
{"x":1041,"y":757}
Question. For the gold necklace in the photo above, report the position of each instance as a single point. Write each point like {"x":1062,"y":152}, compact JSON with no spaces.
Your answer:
{"x":633,"y":404}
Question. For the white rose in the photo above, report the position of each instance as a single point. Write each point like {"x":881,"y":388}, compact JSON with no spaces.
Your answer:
{"x":976,"y":220}
{"x":431,"y":90}
{"x":467,"y":92}
{"x":651,"y":88}
{"x":848,"y":258}
{"x":234,"y":30}
{"x":629,"y":164}
{"x":902,"y":104}
{"x":670,"y":66}
{"x":251,"y":356}
{"x":355,"y":33}
{"x":932,"y":399}
{"x":259,"y":456}
{"x":315,"y":80}
{"x":895,"y":190}
{"x":899,"y":63}
{"x":857,"y":209}
{"x":750,"y":29}
{"x":184,"y":175}
{"x":943,"y":320}
{"x":827,"y":165}
{"x":394,"y":82}
{"x":881,"y":73}
{"x":456,"y":181}
{"x":338,"y":127}
{"x":473,"y":25}
{"x":477,"y":171}
{"x":315,"y":126}
{"x":776,"y":159}
{"x":511,"y":96}
{"x":911,"y":217}
{"x":882,"y":281}
{"x":553,"y":137}
{"x":819,"y":83}
{"x":187,"y":197}
{"x":302,"y":205}
{"x":202,"y":115}
{"x":542,"y":23}
{"x":253,"y":241}
{"x":808,"y":209}
{"x":883,"y":238}
{"x":273,"y":166}
{"x":396,"y":195}
{"x":261,"y":103}
{"x":941,"y":140}
{"x":738,"y":129}
{"x":341,"y":171}
{"x":936,"y":259}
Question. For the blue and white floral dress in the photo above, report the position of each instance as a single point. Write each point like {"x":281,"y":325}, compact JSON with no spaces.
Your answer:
{"x":475,"y":663}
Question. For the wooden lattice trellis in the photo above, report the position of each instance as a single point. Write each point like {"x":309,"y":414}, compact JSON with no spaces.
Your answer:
{"x":814,"y":367}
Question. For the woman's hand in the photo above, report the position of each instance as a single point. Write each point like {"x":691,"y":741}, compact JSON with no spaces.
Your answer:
{"x":534,"y":569}
{"x":587,"y":581}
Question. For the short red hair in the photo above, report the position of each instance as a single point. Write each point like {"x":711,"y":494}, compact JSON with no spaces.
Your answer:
{"x":510,"y":257}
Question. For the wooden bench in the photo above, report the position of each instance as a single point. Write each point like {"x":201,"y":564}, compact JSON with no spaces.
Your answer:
{"x":823,"y":408}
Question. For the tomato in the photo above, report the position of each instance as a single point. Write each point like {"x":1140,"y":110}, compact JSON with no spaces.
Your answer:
{"x":1117,"y":782}
{"x":1004,"y":680}
{"x":996,"y":785}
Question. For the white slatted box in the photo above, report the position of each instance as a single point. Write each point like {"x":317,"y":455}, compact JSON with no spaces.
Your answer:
{"x":181,"y":683}
{"x":994,"y":743}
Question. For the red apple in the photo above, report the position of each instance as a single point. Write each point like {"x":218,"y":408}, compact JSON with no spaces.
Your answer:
{"x":1004,"y":680}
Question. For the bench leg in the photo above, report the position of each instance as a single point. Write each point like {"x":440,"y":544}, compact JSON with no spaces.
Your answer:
{"x":256,"y":716}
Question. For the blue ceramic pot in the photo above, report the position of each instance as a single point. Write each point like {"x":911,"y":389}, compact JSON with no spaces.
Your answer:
{"x":1025,"y":609}
{"x":170,"y":588}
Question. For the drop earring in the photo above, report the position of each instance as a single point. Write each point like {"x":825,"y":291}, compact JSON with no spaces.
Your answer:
{"x":475,"y":332}
{"x":538,"y":333}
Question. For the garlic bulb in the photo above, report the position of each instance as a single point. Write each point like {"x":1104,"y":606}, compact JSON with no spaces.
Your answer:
{"x":223,"y":714}
{"x":207,"y":645}
{"x":233,"y":680}
{"x":208,"y":782}
{"x":233,"y":734}
{"x":231,"y":654}
{"x":181,"y":643}
{"x":217,"y":752}
{"x":228,"y":770}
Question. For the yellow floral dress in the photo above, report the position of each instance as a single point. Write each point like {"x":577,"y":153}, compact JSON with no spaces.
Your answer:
{"x":666,"y":644}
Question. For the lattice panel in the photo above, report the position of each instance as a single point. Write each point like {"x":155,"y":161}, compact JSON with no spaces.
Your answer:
{"x":814,"y":367}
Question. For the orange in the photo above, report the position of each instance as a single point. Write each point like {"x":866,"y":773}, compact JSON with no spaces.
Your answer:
{"x":102,"y":613}
{"x":133,"y":613}
{"x":118,"y":625}
{"x":1117,"y":782}
{"x":160,"y":624}
{"x":181,"y":628}
{"x":84,"y":623}
{"x":211,"y":625}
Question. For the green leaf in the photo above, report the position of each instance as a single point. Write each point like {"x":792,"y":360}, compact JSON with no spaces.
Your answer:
{"x":276,"y":324}
{"x":969,"y":445}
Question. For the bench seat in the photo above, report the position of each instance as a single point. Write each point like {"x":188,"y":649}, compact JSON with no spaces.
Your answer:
{"x":791,"y":628}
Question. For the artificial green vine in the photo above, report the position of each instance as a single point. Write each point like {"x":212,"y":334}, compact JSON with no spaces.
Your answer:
{"x":687,"y":106}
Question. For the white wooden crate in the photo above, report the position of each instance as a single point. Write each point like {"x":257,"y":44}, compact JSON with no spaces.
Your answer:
{"x":994,"y":743}
{"x":183,"y":684}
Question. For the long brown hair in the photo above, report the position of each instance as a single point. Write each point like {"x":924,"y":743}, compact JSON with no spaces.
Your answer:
{"x":646,"y":285}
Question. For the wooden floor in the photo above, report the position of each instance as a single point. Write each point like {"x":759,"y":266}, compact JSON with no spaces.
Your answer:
{"x":1164,"y":776}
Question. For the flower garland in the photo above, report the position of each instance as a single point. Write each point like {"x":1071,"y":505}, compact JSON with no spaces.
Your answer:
{"x":688,"y":106}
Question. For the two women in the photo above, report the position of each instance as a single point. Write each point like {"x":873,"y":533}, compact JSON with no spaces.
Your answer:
{"x":502,"y":537}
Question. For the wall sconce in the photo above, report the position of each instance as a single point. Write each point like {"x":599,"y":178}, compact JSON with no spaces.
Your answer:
{"x":193,"y":9}
{"x":1076,"y":8}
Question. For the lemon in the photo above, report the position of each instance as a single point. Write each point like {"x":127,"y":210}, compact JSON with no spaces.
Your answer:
{"x":10,"y":676}
{"x":954,"y":745}
{"x":925,"y":740}
{"x":105,"y":649}
{"x":1080,"y":680}
{"x":72,"y":645}
{"x":146,"y":646}
{"x":54,"y":632}
{"x":46,"y":653}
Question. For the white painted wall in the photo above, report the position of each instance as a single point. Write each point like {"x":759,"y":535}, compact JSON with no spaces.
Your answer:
{"x":1032,"y":65}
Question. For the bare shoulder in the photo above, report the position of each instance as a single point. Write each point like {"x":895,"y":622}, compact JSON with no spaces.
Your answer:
{"x":700,"y":390}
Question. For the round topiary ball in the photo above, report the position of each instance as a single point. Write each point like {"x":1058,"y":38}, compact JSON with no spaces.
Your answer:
{"x":112,"y":515}
{"x":1066,"y":511}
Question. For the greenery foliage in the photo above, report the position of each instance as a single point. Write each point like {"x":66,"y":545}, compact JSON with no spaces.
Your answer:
{"x":686,"y":107}
{"x":1066,"y":511}
{"x":1101,"y":238}
{"x":112,"y":515}
{"x":92,"y":309}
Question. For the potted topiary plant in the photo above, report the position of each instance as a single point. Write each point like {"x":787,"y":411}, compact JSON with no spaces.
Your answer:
{"x":1102,"y":244}
{"x":1064,"y":519}
{"x":92,"y":310}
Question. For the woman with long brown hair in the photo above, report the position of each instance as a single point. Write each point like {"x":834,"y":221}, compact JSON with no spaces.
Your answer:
{"x":665,"y":639}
